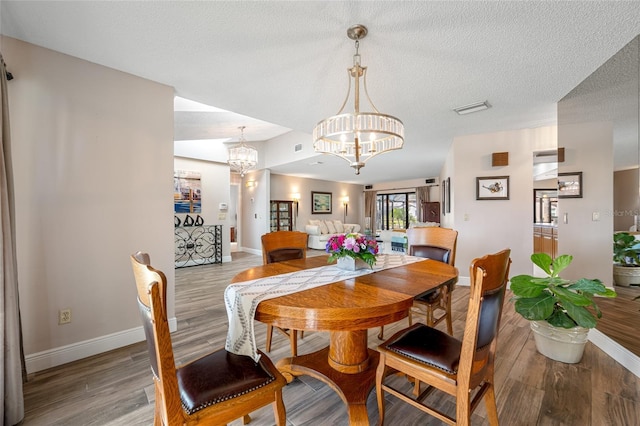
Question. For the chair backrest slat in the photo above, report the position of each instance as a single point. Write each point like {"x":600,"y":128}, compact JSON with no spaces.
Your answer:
{"x":284,"y":245}
{"x":489,"y":278}
{"x":151,"y":285}
{"x":433,"y":242}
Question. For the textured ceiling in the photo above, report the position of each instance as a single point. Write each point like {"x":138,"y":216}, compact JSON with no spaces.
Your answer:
{"x":284,"y":63}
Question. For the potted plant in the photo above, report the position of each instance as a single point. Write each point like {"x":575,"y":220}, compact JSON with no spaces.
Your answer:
{"x":561,"y":311}
{"x":626,"y":255}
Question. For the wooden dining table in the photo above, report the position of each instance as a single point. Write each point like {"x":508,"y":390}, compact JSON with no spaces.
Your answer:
{"x":346,"y":309}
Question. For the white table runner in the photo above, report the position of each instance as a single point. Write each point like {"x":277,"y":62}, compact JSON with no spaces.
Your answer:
{"x":242,"y":299}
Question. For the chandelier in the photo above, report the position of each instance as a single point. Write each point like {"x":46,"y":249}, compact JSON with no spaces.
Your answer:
{"x":242,"y":157}
{"x":358,"y":136}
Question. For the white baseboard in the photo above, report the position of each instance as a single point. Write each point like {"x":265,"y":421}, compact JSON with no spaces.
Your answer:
{"x":252,"y":251}
{"x":57,"y":356}
{"x":619,"y":353}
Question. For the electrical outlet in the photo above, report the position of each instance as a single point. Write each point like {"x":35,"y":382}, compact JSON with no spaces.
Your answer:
{"x":64,"y":316}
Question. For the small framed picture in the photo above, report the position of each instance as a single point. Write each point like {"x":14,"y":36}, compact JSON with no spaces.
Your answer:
{"x":492,"y":188}
{"x":320,"y":202}
{"x":570,"y":185}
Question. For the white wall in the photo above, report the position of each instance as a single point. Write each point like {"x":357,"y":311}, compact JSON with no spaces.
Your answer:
{"x":254,"y":210}
{"x":93,"y":161}
{"x":591,"y":241}
{"x":488,"y":226}
{"x":215,"y":181}
{"x":281,"y":149}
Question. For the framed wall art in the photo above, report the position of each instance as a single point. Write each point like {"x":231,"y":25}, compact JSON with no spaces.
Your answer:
{"x":321,"y":202}
{"x":187,"y":189}
{"x":492,"y":188}
{"x":570,"y":185}
{"x":446,"y":196}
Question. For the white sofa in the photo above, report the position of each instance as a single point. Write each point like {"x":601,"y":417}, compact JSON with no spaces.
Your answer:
{"x":320,"y":230}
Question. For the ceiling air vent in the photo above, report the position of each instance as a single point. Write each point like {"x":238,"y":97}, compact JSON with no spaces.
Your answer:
{"x":297,"y":148}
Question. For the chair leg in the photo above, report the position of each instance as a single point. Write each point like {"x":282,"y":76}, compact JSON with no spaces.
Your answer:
{"x":430,"y":318}
{"x":380,"y":375}
{"x":293,"y":339}
{"x":448,"y":316}
{"x":157,"y":416}
{"x":463,"y":408}
{"x":381,"y":333}
{"x":246,"y":419}
{"x":416,"y":387}
{"x":279,"y":411}
{"x":490,"y":403}
{"x":269,"y":336}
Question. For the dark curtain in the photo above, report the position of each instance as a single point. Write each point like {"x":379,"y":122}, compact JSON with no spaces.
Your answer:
{"x":13,"y":366}
{"x":370,"y":210}
{"x":422,"y":195}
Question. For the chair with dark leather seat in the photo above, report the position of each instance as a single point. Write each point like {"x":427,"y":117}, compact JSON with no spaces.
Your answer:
{"x":438,"y":244}
{"x":281,"y":246}
{"x":463,"y":368}
{"x":216,"y":388}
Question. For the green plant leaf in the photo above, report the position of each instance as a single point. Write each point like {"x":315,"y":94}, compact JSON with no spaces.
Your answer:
{"x":581,"y":316}
{"x":561,"y":319}
{"x":543,"y":261}
{"x":569,"y":297}
{"x":535,"y":308}
{"x":589,"y":286}
{"x":526,"y":286}
{"x":560,"y":263}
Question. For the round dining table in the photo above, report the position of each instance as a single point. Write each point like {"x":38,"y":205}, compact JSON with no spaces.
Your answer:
{"x":346,"y":309}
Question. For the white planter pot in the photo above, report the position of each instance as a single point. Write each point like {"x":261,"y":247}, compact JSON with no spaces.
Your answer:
{"x":626,"y":275}
{"x":560,"y":344}
{"x":349,"y":263}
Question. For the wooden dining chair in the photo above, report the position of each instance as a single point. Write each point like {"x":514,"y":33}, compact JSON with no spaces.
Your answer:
{"x":438,"y":244}
{"x":216,"y":388}
{"x":277,"y":247}
{"x":461,"y":368}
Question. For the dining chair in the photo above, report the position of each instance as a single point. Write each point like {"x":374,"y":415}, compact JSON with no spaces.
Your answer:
{"x":280,"y":246}
{"x":463,"y":368}
{"x":438,"y":244}
{"x":216,"y":388}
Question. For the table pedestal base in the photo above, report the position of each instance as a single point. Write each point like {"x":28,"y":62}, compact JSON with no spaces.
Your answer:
{"x":352,"y":388}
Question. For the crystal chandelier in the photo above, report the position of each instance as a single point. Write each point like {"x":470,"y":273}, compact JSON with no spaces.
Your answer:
{"x":358,"y":136}
{"x":242,"y":157}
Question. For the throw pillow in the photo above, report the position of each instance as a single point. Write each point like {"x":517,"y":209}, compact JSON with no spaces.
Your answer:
{"x":338,"y":225}
{"x":348,"y":228}
{"x":332,"y":228}
{"x":323,"y":227}
{"x":313,"y":222}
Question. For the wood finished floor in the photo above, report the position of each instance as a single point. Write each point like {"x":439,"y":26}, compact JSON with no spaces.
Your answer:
{"x":115,"y":388}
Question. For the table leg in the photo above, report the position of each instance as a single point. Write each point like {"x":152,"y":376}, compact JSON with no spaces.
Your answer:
{"x":354,"y":376}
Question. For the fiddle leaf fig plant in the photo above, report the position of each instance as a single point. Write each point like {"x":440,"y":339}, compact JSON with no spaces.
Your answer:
{"x":626,"y":249}
{"x":560,"y":302}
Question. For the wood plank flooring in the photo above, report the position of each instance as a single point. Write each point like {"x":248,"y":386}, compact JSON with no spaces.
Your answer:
{"x":621,"y":318}
{"x":115,"y":388}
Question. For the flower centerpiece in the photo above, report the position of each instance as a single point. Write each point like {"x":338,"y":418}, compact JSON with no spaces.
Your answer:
{"x":352,"y":247}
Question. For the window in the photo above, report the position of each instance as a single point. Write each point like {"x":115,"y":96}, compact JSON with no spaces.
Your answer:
{"x":396,"y":211}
